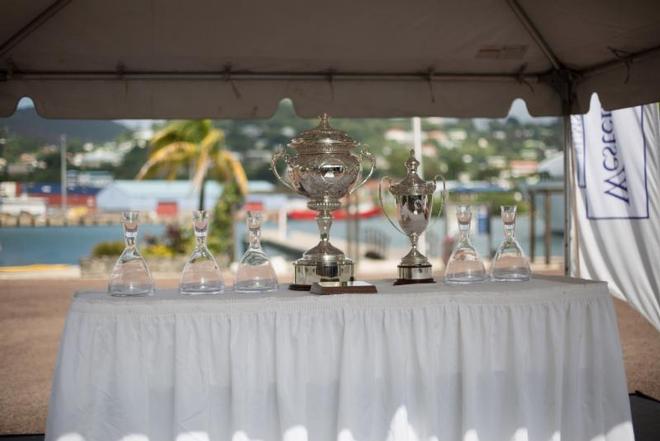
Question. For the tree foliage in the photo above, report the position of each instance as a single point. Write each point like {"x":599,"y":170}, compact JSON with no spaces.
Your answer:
{"x":199,"y":146}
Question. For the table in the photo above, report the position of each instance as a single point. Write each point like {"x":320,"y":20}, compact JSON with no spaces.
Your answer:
{"x":538,"y":360}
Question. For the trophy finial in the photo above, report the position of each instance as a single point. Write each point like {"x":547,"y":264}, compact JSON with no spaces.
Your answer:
{"x":412,"y":163}
{"x":324,"y":121}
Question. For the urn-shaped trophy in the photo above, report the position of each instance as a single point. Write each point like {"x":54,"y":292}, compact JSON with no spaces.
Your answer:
{"x":414,"y":204}
{"x":323,"y":169}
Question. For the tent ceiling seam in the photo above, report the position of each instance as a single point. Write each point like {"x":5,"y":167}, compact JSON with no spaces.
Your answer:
{"x":533,"y":32}
{"x":560,"y":78}
{"x":32,"y":25}
{"x":626,"y":60}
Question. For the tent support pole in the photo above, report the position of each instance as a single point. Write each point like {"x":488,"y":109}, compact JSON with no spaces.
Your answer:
{"x":563,"y":81}
{"x":566,"y":119}
{"x":248,"y":75}
{"x":566,"y":91}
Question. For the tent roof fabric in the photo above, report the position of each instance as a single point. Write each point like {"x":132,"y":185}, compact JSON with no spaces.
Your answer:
{"x":209,"y":58}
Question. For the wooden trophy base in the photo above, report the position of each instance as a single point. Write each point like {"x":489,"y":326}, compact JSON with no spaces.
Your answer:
{"x":299,"y":287}
{"x":412,"y":282}
{"x":358,"y":287}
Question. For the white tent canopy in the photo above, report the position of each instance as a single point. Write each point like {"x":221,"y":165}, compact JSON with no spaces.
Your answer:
{"x":210,"y":58}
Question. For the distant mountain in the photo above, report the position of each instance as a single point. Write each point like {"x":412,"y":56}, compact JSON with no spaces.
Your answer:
{"x":26,"y":122}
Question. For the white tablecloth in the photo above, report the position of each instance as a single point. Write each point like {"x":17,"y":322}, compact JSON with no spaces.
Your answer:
{"x":528,"y":361}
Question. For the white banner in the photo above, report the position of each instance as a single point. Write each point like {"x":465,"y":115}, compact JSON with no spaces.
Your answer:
{"x":617,"y":195}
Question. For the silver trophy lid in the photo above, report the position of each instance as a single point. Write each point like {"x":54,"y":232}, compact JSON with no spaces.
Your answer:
{"x":322,"y":138}
{"x":412,"y":184}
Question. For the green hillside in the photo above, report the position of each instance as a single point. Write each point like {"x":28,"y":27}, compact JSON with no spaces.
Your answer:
{"x":27,"y":123}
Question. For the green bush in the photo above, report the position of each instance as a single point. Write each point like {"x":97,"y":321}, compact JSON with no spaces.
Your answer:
{"x":158,"y":250}
{"x":221,"y":234}
{"x":108,"y":249}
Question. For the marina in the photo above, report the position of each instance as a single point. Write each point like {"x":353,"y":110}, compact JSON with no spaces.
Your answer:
{"x":69,"y":244}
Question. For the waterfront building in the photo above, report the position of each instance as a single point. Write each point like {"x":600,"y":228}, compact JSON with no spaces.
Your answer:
{"x":162,"y":197}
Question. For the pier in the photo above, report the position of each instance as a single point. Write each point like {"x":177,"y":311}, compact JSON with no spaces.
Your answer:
{"x":297,"y":242}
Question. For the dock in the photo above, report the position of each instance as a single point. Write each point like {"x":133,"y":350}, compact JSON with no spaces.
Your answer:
{"x":296,"y":242}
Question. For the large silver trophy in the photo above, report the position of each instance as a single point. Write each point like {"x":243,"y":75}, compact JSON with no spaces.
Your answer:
{"x":324,"y":170}
{"x":414,"y":203}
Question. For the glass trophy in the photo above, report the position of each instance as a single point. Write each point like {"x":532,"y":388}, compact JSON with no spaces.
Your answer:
{"x":464,"y":265}
{"x":130,"y":276}
{"x":201,"y":274}
{"x":255,"y":271}
{"x":510,"y":263}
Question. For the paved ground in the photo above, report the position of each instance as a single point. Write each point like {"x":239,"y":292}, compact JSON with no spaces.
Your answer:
{"x":32,"y":316}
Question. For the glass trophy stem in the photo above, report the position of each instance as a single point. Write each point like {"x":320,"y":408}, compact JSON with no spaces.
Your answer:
{"x":463,"y":232}
{"x":254,"y":238}
{"x":509,"y":232}
{"x":130,"y":233}
{"x":129,"y":241}
{"x":201,"y":233}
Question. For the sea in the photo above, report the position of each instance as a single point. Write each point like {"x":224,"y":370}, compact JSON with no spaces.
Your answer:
{"x":67,"y":245}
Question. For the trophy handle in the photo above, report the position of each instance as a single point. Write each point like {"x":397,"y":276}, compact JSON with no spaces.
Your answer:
{"x":281,"y":154}
{"x":364,"y":154}
{"x":382,"y":205}
{"x":444,"y":196}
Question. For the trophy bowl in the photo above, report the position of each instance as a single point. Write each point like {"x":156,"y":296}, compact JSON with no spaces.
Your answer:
{"x":323,"y":169}
{"x":414,"y":204}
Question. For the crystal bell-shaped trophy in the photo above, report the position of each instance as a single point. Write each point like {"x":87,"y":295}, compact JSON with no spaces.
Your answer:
{"x":255,"y":271}
{"x":510,"y":263}
{"x":464,"y":265}
{"x":414,"y":203}
{"x":201,"y":274}
{"x":130,"y":276}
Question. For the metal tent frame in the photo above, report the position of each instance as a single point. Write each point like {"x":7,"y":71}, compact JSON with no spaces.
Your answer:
{"x":562,"y":79}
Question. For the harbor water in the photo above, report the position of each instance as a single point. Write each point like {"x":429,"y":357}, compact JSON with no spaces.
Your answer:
{"x":67,"y":245}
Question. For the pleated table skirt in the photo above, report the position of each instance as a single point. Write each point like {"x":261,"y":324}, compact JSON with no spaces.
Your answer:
{"x":538,"y":360}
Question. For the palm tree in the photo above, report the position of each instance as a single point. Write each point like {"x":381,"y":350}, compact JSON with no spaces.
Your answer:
{"x":197,"y":146}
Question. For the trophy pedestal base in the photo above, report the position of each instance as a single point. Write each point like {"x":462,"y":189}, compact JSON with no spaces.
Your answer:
{"x":308,"y":272}
{"x":409,"y":274}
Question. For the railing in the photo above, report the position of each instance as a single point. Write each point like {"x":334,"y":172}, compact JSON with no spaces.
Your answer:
{"x":376,"y":243}
{"x":547,"y":221}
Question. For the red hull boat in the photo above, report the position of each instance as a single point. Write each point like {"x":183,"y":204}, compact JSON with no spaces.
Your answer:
{"x":341,"y":214}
